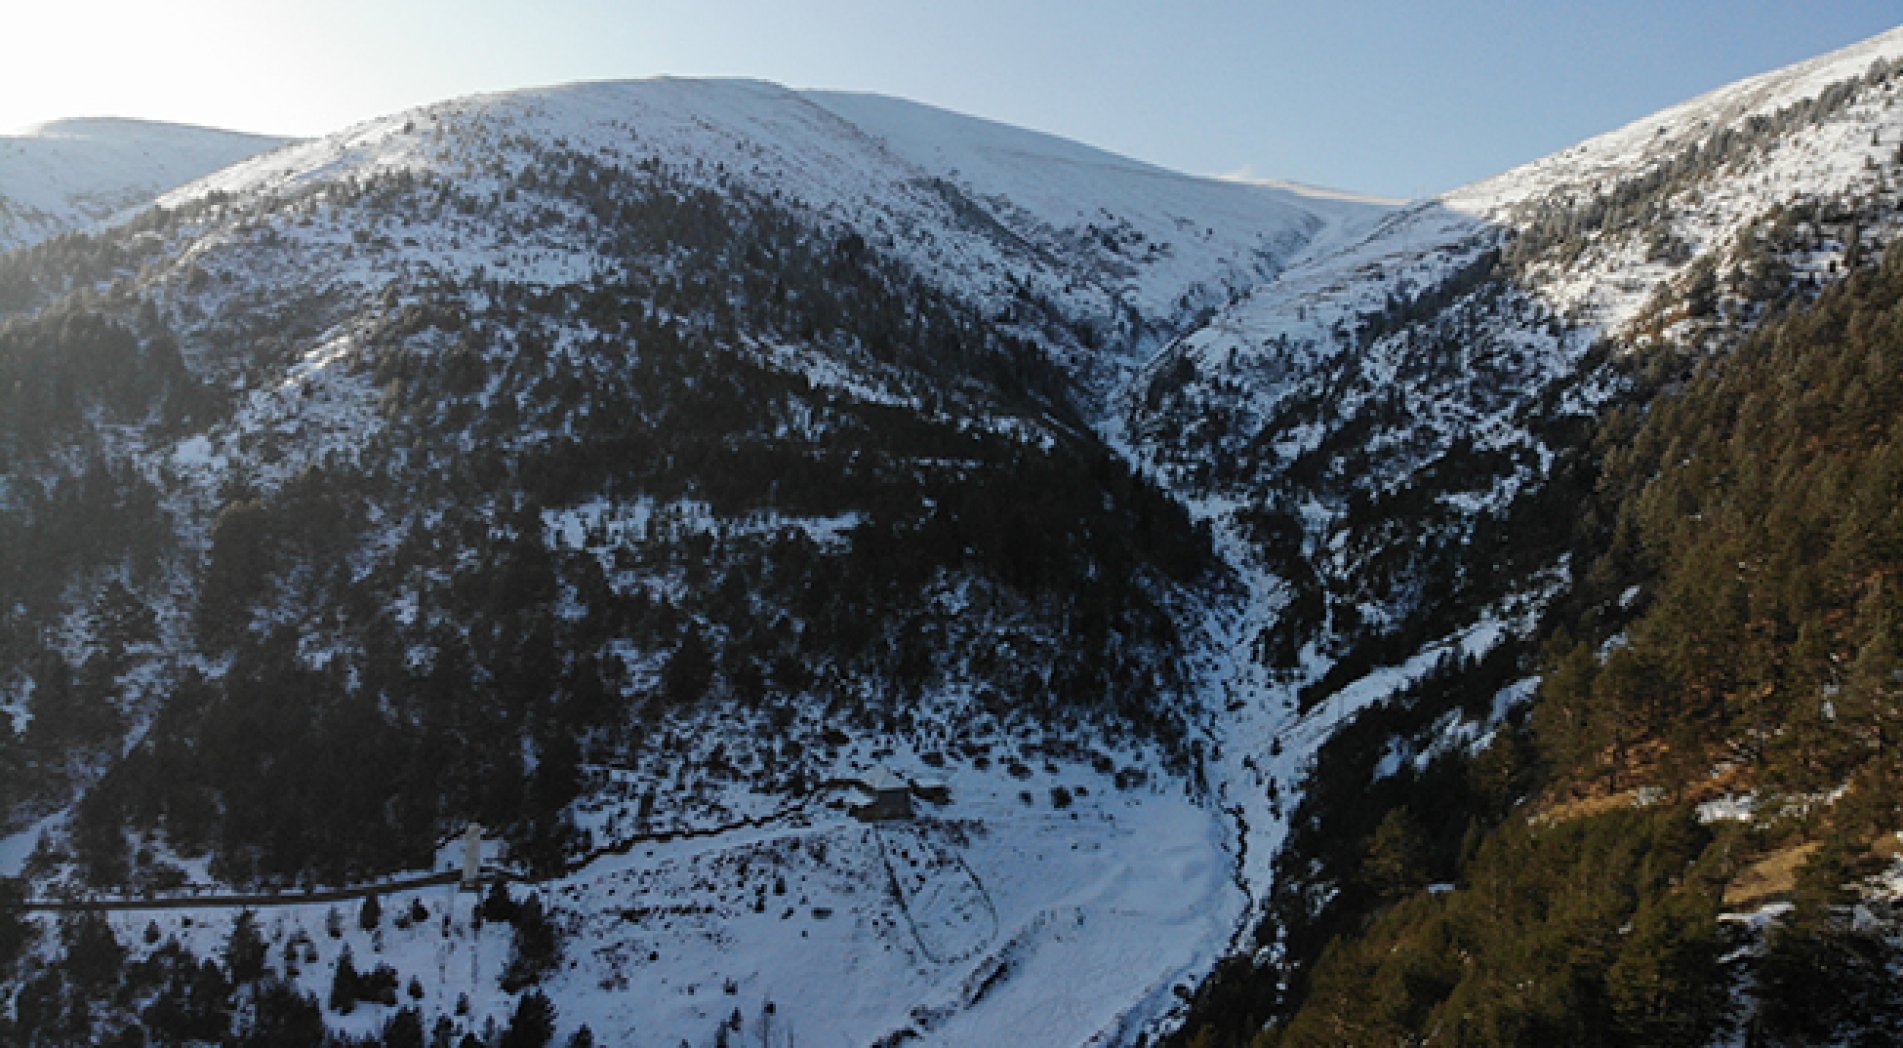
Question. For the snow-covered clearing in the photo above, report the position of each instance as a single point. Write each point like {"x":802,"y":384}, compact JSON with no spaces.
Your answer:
{"x":1069,"y":917}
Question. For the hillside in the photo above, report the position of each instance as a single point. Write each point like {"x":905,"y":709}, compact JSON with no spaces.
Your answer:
{"x":631,"y":468}
{"x":1099,"y":257}
{"x":1733,"y":715}
{"x":71,"y":174}
{"x":1425,"y":417}
{"x":653,"y":473}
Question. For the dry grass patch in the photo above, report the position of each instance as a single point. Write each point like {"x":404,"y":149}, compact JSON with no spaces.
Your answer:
{"x":1769,"y":879}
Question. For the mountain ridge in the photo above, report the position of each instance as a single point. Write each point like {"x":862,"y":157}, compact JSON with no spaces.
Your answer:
{"x":741,"y":123}
{"x":661,"y":448}
{"x":70,"y":173}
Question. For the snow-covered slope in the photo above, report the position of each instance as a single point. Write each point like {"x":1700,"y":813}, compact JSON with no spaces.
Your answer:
{"x":1162,"y":232}
{"x":1699,"y":174}
{"x":731,"y":408}
{"x":1591,"y":237}
{"x":1006,"y":923}
{"x":1638,"y":147}
{"x":732,"y":371}
{"x":1637,"y":207}
{"x":1127,"y":254}
{"x":1371,"y":427}
{"x":71,"y":173}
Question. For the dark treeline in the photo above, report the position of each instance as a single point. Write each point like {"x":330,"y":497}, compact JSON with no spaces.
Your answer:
{"x":97,"y":990}
{"x":404,"y":642}
{"x":1738,"y":617}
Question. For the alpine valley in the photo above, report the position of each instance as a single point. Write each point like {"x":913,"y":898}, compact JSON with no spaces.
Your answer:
{"x":696,"y":562}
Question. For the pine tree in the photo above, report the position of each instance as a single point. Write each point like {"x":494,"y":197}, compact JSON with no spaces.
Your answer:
{"x":497,"y":904}
{"x":245,"y":949}
{"x":94,"y":957}
{"x":343,"y":984}
{"x":532,"y":1025}
{"x":1396,"y":855}
{"x":281,"y":1015}
{"x":1868,"y":704}
{"x":15,"y":931}
{"x":537,"y":947}
{"x":689,"y":670}
{"x":404,"y":1030}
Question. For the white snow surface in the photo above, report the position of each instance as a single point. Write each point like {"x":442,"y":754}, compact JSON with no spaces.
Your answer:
{"x":69,"y":174}
{"x":1006,"y":922}
{"x":1730,"y":808}
{"x":1840,"y":154}
{"x":991,"y":920}
{"x":1629,"y":149}
{"x":1202,"y":230}
{"x":979,"y":207}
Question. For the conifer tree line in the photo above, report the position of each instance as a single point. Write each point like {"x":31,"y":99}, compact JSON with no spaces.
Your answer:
{"x":1731,"y":627}
{"x":668,"y":384}
{"x":97,"y":990}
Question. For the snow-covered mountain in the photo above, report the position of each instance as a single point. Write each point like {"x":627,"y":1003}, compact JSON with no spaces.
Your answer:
{"x":759,"y":420}
{"x":1123,"y":253}
{"x":646,"y":469}
{"x":70,"y":174}
{"x":1389,"y":433}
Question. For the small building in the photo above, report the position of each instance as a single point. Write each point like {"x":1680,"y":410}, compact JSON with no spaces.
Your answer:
{"x":891,"y":797}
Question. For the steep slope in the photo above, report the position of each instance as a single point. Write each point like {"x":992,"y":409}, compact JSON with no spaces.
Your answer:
{"x":1173,"y":244}
{"x":633,"y":469}
{"x":1721,"y":783}
{"x":70,"y":174}
{"x":643,"y":470}
{"x":1399,"y":437}
{"x":1098,"y":257}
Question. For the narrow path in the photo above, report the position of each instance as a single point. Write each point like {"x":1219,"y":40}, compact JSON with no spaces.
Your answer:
{"x":903,"y":898}
{"x":210,"y":898}
{"x":254,"y":899}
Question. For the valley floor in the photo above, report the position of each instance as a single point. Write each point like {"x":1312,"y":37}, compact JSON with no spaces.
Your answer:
{"x":1012,"y":914}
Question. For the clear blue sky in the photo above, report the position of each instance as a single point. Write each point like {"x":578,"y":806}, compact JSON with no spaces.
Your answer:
{"x":1399,"y":97}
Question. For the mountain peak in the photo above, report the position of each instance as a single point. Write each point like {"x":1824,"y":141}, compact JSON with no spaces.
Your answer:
{"x":1632,"y":149}
{"x":68,"y":174}
{"x":983,"y":207}
{"x":122,"y":128}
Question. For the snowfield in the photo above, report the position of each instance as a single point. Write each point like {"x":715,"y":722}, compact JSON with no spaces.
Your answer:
{"x":989,"y":919}
{"x":70,"y":174}
{"x":1132,"y":251}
